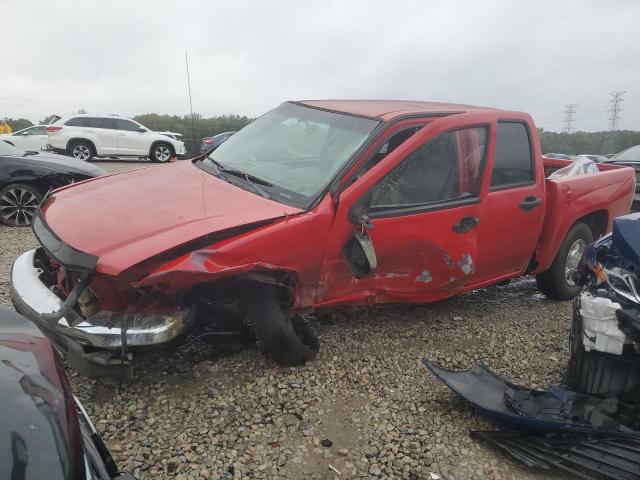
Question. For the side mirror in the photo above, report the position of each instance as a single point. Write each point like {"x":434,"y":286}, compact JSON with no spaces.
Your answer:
{"x":360,"y":254}
{"x":142,"y":129}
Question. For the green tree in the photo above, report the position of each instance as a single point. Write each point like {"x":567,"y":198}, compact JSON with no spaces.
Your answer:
{"x":194,"y":129}
{"x":18,"y":123}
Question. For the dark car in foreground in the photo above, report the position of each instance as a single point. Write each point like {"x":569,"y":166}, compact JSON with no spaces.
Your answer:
{"x":630,"y":158}
{"x":27,"y":176}
{"x":209,"y":144}
{"x":44,"y":430}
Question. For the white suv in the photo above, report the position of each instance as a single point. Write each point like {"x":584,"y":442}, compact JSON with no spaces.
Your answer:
{"x":87,"y":136}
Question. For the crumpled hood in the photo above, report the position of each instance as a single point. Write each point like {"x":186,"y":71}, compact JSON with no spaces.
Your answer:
{"x":129,"y":217}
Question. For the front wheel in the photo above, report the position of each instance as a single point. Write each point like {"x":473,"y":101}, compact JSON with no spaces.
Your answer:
{"x":558,"y":282}
{"x":161,"y":153}
{"x":18,"y":204}
{"x":287,"y":341}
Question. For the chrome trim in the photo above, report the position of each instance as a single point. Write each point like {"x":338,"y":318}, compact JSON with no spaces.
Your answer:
{"x":32,"y":298}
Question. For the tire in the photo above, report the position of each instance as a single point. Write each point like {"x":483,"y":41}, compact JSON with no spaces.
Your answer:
{"x":288,"y":342}
{"x":81,"y":150}
{"x":161,"y":152}
{"x":556,"y":283}
{"x":18,"y":204}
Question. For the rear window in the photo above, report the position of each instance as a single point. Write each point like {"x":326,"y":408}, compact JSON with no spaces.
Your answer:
{"x":101,"y":123}
{"x":76,"y":122}
{"x":513,"y":164}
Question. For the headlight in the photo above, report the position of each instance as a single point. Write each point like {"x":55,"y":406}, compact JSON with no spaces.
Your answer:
{"x":623,"y":282}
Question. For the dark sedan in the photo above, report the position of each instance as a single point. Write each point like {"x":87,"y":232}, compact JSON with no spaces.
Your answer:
{"x":26,"y":177}
{"x":630,"y":158}
{"x":209,"y":144}
{"x":44,"y":430}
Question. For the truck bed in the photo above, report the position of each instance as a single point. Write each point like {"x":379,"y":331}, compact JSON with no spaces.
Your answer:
{"x":596,"y":197}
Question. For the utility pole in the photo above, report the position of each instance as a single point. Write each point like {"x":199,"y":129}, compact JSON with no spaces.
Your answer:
{"x":569,"y":117}
{"x":613,"y":140}
{"x":615,"y":110}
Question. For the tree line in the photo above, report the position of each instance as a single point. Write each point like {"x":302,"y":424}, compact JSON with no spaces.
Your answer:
{"x":197,"y":127}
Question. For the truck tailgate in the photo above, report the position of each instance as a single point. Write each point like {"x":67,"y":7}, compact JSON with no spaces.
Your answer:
{"x":607,"y":193}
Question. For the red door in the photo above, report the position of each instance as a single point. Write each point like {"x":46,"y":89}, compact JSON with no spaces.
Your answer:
{"x":424,"y":201}
{"x":513,"y":209}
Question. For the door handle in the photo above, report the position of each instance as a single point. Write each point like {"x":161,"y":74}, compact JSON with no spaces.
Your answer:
{"x":530,"y":203}
{"x":121,"y":135}
{"x":465,"y":224}
{"x":89,"y":130}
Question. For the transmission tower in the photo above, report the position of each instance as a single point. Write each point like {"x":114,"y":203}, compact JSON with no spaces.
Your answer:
{"x":569,"y":117}
{"x":615,"y":110}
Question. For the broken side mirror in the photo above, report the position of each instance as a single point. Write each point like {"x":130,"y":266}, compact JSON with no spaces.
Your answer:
{"x":359,"y":251}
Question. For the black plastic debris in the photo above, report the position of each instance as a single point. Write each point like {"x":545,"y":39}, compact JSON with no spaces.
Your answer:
{"x":326,"y":443}
{"x":590,"y":457}
{"x":558,"y":409}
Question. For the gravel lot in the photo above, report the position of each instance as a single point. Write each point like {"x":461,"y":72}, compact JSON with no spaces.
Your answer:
{"x":203,"y":413}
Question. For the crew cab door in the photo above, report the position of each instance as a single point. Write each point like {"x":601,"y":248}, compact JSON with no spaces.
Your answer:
{"x":34,"y":138}
{"x":423,"y":202}
{"x":131,"y":141}
{"x":513,"y":209}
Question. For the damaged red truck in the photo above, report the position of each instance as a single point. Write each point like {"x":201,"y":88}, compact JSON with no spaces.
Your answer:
{"x":313,"y":206}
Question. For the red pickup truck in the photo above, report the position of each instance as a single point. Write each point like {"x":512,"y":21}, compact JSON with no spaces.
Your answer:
{"x":314,"y":205}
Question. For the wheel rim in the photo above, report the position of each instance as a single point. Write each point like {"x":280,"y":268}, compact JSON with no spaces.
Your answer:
{"x":573,"y":259}
{"x":17,"y":206}
{"x":162,"y":153}
{"x":81,"y":152}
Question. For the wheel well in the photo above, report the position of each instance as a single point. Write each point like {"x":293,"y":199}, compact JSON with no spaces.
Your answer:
{"x":596,"y":221}
{"x":158,"y":142}
{"x":74,"y":140}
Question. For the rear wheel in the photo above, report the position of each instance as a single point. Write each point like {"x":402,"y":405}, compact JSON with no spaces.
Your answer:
{"x":81,"y":151}
{"x":558,"y":282}
{"x":18,"y":204}
{"x":287,"y":341}
{"x":161,"y":152}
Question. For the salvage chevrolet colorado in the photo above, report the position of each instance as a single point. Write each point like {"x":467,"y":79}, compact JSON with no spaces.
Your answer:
{"x":313,"y":206}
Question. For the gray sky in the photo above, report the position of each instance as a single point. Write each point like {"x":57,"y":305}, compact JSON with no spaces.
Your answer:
{"x":127,"y":57}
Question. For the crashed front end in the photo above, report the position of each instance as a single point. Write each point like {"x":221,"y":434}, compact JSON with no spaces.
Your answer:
{"x":56,"y":286}
{"x":605,"y":335}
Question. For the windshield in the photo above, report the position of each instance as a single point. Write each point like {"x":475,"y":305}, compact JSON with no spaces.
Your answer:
{"x":630,"y":154}
{"x":6,"y":149}
{"x":292,"y":152}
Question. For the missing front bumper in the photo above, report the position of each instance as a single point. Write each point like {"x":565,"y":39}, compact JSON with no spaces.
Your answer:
{"x":105,"y":330}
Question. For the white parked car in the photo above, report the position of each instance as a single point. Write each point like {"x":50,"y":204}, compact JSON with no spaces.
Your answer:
{"x":30,"y":138}
{"x":86,"y":136}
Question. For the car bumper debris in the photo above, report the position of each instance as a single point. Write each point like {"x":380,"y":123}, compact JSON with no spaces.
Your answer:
{"x":592,"y":428}
{"x":115,"y":331}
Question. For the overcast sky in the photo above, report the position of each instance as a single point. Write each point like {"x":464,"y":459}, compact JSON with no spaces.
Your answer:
{"x":128,"y":57}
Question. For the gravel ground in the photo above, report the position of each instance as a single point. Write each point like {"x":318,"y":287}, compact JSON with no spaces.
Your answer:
{"x":204,"y":413}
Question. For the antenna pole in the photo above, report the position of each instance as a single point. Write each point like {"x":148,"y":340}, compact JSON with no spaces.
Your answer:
{"x":193,"y":127}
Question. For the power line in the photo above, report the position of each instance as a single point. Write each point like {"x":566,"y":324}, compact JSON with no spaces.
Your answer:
{"x":616,"y":109}
{"x":569,"y":117}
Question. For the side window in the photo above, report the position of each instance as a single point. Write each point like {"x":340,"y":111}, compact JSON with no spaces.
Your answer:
{"x":101,"y":123}
{"x":76,"y":122}
{"x":513,"y":164}
{"x":38,"y":131}
{"x":126,"y":125}
{"x":448,"y":167}
{"x":386,"y":148}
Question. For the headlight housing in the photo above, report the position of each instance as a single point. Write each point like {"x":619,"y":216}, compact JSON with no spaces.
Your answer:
{"x":623,"y":282}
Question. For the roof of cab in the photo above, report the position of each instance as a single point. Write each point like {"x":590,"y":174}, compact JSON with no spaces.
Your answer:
{"x":389,"y":109}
